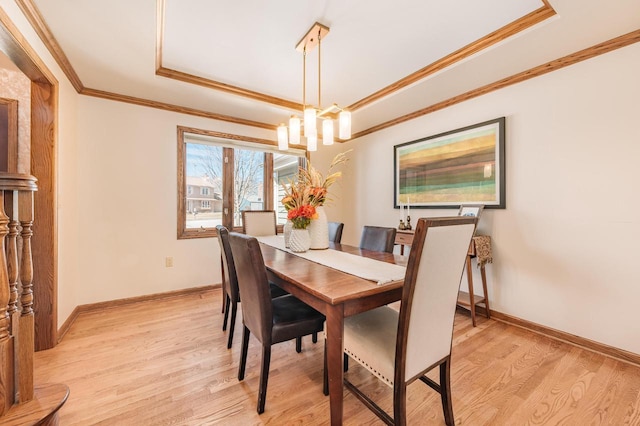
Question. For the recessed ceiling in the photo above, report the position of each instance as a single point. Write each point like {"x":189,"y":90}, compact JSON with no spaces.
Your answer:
{"x":156,"y":50}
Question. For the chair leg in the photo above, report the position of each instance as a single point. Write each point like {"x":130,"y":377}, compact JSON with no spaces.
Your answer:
{"x":325,"y":374}
{"x":445,"y":391}
{"x":243,"y":353}
{"x":298,"y":344}
{"x":264,"y":378}
{"x":225,"y":309}
{"x":400,"y":404}
{"x":232,"y":326}
{"x":314,"y":337}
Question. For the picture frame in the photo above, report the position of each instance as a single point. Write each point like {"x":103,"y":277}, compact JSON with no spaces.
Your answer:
{"x":464,"y":166}
{"x":471,"y":210}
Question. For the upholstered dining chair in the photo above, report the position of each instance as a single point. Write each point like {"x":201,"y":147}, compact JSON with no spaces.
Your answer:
{"x":259,"y":223}
{"x":230,"y":293}
{"x":270,"y":320}
{"x":335,"y":231}
{"x":401,"y":347}
{"x":378,"y":238}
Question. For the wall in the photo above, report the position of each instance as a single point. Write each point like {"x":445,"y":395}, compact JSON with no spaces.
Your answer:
{"x":15,"y":85}
{"x":565,"y":246}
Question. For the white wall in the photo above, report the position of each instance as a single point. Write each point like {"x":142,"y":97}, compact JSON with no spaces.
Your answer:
{"x":565,"y":248}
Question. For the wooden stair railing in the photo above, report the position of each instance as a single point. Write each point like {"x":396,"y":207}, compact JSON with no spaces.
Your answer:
{"x":16,"y":310}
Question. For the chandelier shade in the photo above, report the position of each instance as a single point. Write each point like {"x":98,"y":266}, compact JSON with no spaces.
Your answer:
{"x":309,"y":127}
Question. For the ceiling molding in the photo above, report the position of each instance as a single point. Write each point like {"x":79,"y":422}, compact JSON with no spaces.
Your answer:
{"x":216,"y":85}
{"x":582,"y":55}
{"x":36,"y":20}
{"x":174,"y":108}
{"x":18,"y":49}
{"x":485,"y":42}
{"x":497,"y":36}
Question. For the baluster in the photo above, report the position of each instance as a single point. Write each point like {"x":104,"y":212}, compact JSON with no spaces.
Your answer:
{"x":12,"y":256}
{"x":4,"y":279}
{"x":6,"y":345}
{"x":26,"y":329}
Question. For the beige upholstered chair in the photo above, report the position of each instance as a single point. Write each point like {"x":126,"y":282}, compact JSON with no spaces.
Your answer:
{"x":378,"y":238}
{"x":401,"y":347}
{"x":259,"y":223}
{"x":270,"y":320}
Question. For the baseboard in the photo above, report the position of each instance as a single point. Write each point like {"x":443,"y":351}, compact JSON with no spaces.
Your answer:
{"x":610,"y":351}
{"x":110,"y":304}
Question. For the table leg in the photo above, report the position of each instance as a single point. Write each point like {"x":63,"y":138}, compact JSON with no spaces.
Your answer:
{"x":472,"y":301}
{"x":484,"y":288}
{"x":335,"y":334}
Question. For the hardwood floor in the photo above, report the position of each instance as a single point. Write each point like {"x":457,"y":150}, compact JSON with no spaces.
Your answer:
{"x":165,"y":362}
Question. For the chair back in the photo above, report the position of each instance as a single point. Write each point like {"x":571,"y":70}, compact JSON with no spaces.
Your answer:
{"x":229,"y":278}
{"x":257,"y":313}
{"x":259,"y":223}
{"x":430,"y":293}
{"x":378,"y":238}
{"x":335,"y":231}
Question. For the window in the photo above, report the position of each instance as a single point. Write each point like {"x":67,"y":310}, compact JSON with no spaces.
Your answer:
{"x":229,"y":176}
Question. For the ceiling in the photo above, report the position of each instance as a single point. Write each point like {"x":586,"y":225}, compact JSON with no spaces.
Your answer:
{"x":383,"y":60}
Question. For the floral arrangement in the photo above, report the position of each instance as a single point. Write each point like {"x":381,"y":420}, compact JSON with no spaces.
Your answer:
{"x":309,"y":191}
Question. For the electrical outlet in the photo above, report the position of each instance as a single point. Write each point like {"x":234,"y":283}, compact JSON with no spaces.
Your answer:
{"x":168,"y":262}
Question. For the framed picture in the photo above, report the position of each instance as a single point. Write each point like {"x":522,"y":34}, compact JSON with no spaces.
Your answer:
{"x":462,"y":166}
{"x":468,"y":210}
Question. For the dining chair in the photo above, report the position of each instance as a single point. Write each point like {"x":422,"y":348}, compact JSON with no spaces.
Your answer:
{"x":259,"y":223}
{"x":230,"y":293}
{"x":378,"y":238}
{"x":335,"y":231}
{"x":401,"y":347}
{"x":270,"y":320}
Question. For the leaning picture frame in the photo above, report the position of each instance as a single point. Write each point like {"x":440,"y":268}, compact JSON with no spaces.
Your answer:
{"x":447,"y":170}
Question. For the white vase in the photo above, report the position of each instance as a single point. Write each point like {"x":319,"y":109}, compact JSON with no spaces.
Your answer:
{"x":299,"y":240}
{"x":319,"y":230}
{"x":287,"y":228}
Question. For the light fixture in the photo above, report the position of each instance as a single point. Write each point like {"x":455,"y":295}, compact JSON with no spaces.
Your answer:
{"x":311,"y":114}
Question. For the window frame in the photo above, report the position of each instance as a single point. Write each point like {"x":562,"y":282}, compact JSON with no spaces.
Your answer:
{"x":227,"y":176}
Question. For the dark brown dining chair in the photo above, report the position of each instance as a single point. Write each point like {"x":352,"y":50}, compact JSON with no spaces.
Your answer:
{"x":401,"y":347}
{"x":230,"y":293}
{"x":270,"y":320}
{"x":259,"y":223}
{"x":378,"y":238}
{"x":335,"y":231}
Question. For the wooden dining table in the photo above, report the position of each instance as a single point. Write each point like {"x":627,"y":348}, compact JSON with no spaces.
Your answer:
{"x":337,"y":295}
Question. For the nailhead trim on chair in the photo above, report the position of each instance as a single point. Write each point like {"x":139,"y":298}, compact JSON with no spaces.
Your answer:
{"x":368,"y":367}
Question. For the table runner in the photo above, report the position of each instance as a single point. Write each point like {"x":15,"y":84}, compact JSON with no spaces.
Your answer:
{"x":363,"y":267}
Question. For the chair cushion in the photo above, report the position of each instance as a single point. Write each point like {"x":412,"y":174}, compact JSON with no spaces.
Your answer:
{"x":276,"y":291}
{"x":293,"y":318}
{"x":370,"y":339}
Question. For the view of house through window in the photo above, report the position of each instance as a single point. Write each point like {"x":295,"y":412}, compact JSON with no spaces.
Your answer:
{"x":222,"y":178}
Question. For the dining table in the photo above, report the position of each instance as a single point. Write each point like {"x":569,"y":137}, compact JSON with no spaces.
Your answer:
{"x":335,"y":293}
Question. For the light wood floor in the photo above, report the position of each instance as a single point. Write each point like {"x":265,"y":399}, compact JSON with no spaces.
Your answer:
{"x":166,"y":363}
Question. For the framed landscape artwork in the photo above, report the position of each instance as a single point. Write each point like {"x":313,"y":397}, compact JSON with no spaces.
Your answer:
{"x":462,"y":166}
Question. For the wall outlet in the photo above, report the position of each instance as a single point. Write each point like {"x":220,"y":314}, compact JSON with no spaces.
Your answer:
{"x":168,"y":262}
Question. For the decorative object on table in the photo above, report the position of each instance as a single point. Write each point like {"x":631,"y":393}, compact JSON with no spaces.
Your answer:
{"x":286,"y":230}
{"x":463,"y":166}
{"x":407,"y":226}
{"x":299,"y":241}
{"x":401,"y":226}
{"x":311,"y":188}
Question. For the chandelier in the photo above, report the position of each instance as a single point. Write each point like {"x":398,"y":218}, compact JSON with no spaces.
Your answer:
{"x":312,"y":114}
